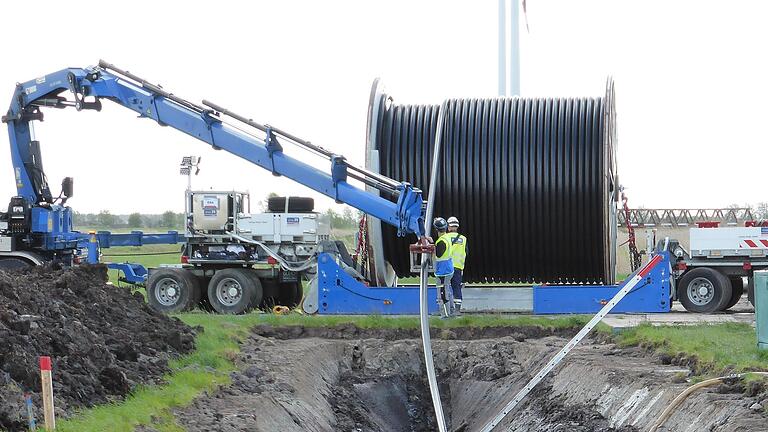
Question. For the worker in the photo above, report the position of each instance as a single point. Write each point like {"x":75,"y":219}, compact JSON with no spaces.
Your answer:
{"x":443,"y":268}
{"x":459,"y":255}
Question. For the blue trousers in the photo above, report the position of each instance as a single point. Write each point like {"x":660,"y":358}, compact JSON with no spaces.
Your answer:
{"x":456,"y":284}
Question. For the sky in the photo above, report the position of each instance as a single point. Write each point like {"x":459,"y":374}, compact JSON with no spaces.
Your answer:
{"x":690,"y":85}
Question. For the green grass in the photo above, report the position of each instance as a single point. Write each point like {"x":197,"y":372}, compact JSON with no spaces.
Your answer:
{"x":399,"y":322}
{"x":204,"y":370}
{"x":719,"y":348}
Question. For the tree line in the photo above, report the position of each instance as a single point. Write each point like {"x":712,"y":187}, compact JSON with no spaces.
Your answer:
{"x":346,"y":219}
{"x":106,"y":220}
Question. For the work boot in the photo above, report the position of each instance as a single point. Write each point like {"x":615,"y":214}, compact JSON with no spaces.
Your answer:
{"x":457,"y":309}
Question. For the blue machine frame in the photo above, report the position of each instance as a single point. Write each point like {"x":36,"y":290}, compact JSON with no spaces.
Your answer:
{"x":652,"y":296}
{"x":341,"y":294}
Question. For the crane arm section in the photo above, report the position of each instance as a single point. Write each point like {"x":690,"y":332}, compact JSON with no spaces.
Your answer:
{"x":260,"y":145}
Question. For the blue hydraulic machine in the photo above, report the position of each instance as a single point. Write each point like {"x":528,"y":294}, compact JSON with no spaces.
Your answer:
{"x":39,"y":225}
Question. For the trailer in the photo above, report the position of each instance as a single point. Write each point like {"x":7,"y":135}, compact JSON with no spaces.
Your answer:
{"x":233,"y":260}
{"x":711,"y":276}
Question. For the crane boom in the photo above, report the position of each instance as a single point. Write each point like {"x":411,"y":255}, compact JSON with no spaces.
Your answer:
{"x":258,"y":144}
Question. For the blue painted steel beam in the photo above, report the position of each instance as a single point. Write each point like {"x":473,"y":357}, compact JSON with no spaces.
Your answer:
{"x":107,"y":239}
{"x":341,"y":294}
{"x":652,"y":295}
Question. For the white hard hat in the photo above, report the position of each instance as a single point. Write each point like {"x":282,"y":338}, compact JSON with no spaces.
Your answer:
{"x":453,"y":221}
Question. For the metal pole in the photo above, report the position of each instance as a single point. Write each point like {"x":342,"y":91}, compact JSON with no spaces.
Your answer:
{"x":502,"y":48}
{"x":514,"y":49}
{"x":423,"y":306}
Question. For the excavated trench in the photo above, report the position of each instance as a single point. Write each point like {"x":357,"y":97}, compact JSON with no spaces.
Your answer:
{"x":351,"y":379}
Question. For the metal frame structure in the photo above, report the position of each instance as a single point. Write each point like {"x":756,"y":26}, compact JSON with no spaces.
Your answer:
{"x":685,"y":217}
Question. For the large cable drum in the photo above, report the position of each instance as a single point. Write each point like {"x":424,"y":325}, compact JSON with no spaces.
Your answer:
{"x":532,"y":180}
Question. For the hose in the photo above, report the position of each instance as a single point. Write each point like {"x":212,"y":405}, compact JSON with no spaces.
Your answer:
{"x":532,"y":181}
{"x":426,"y":341}
{"x":687,"y":392}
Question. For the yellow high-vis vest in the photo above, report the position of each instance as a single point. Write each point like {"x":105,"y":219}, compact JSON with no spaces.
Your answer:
{"x":458,"y":249}
{"x":444,"y":263}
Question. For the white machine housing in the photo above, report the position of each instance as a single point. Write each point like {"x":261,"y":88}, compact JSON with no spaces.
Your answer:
{"x":221,"y":223}
{"x":279,"y":227}
{"x":729,"y":242}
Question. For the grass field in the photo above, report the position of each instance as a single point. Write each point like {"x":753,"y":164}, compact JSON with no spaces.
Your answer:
{"x":723,"y":347}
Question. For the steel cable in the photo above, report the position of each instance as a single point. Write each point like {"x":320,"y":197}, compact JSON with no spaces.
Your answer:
{"x":532,"y":181}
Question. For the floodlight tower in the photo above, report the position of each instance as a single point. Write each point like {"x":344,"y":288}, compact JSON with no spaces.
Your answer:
{"x":186,"y":168}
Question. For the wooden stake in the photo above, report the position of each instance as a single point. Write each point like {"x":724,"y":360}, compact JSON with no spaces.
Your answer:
{"x":45,"y":376}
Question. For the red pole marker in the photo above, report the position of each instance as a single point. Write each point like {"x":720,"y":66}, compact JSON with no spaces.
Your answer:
{"x":47,"y":381}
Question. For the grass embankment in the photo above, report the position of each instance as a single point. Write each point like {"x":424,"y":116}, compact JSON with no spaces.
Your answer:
{"x":718,"y":348}
{"x":204,"y":370}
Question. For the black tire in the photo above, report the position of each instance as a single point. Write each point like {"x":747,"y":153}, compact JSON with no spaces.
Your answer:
{"x":751,"y":290}
{"x":291,"y":294}
{"x":295,"y":204}
{"x":717,"y":289}
{"x":11,"y":264}
{"x":271,"y":296}
{"x":737,"y":290}
{"x":234,"y":291}
{"x":185,"y":292}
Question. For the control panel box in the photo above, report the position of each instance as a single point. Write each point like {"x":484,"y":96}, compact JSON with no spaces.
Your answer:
{"x":210,"y":211}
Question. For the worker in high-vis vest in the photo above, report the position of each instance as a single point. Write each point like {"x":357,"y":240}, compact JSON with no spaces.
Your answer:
{"x":459,"y":255}
{"x":443,"y":268}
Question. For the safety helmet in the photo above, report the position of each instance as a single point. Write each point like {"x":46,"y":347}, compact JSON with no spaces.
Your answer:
{"x":453,"y":221}
{"x":440,"y":224}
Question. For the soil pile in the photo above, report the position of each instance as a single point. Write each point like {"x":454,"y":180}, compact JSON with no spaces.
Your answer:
{"x":103,"y":340}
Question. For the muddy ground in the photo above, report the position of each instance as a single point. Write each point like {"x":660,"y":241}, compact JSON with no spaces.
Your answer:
{"x":350,"y":379}
{"x":102,"y":339}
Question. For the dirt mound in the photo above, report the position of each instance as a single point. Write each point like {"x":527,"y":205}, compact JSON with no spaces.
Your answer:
{"x":103,"y":339}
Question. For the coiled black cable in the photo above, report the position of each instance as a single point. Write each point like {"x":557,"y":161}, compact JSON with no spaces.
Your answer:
{"x":532,"y":182}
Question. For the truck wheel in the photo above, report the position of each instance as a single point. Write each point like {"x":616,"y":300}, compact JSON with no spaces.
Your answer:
{"x":234,"y":291}
{"x":171,"y":290}
{"x":271,"y":291}
{"x":751,"y":290}
{"x":13,"y":264}
{"x":291,"y":294}
{"x":704,"y":290}
{"x":737,"y":290}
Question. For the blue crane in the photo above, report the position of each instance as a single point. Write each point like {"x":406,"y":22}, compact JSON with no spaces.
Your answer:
{"x":39,"y":225}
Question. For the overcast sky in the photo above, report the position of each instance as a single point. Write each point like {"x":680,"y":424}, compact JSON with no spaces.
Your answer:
{"x":690,"y":79}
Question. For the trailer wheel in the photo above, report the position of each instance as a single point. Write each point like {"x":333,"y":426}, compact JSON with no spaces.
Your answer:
{"x":172,"y":290}
{"x":291,"y":294}
{"x":704,"y":290}
{"x":737,"y":290}
{"x":271,"y":291}
{"x":234,"y":291}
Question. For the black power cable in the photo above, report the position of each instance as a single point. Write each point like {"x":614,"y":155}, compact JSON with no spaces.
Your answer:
{"x":532,"y":182}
